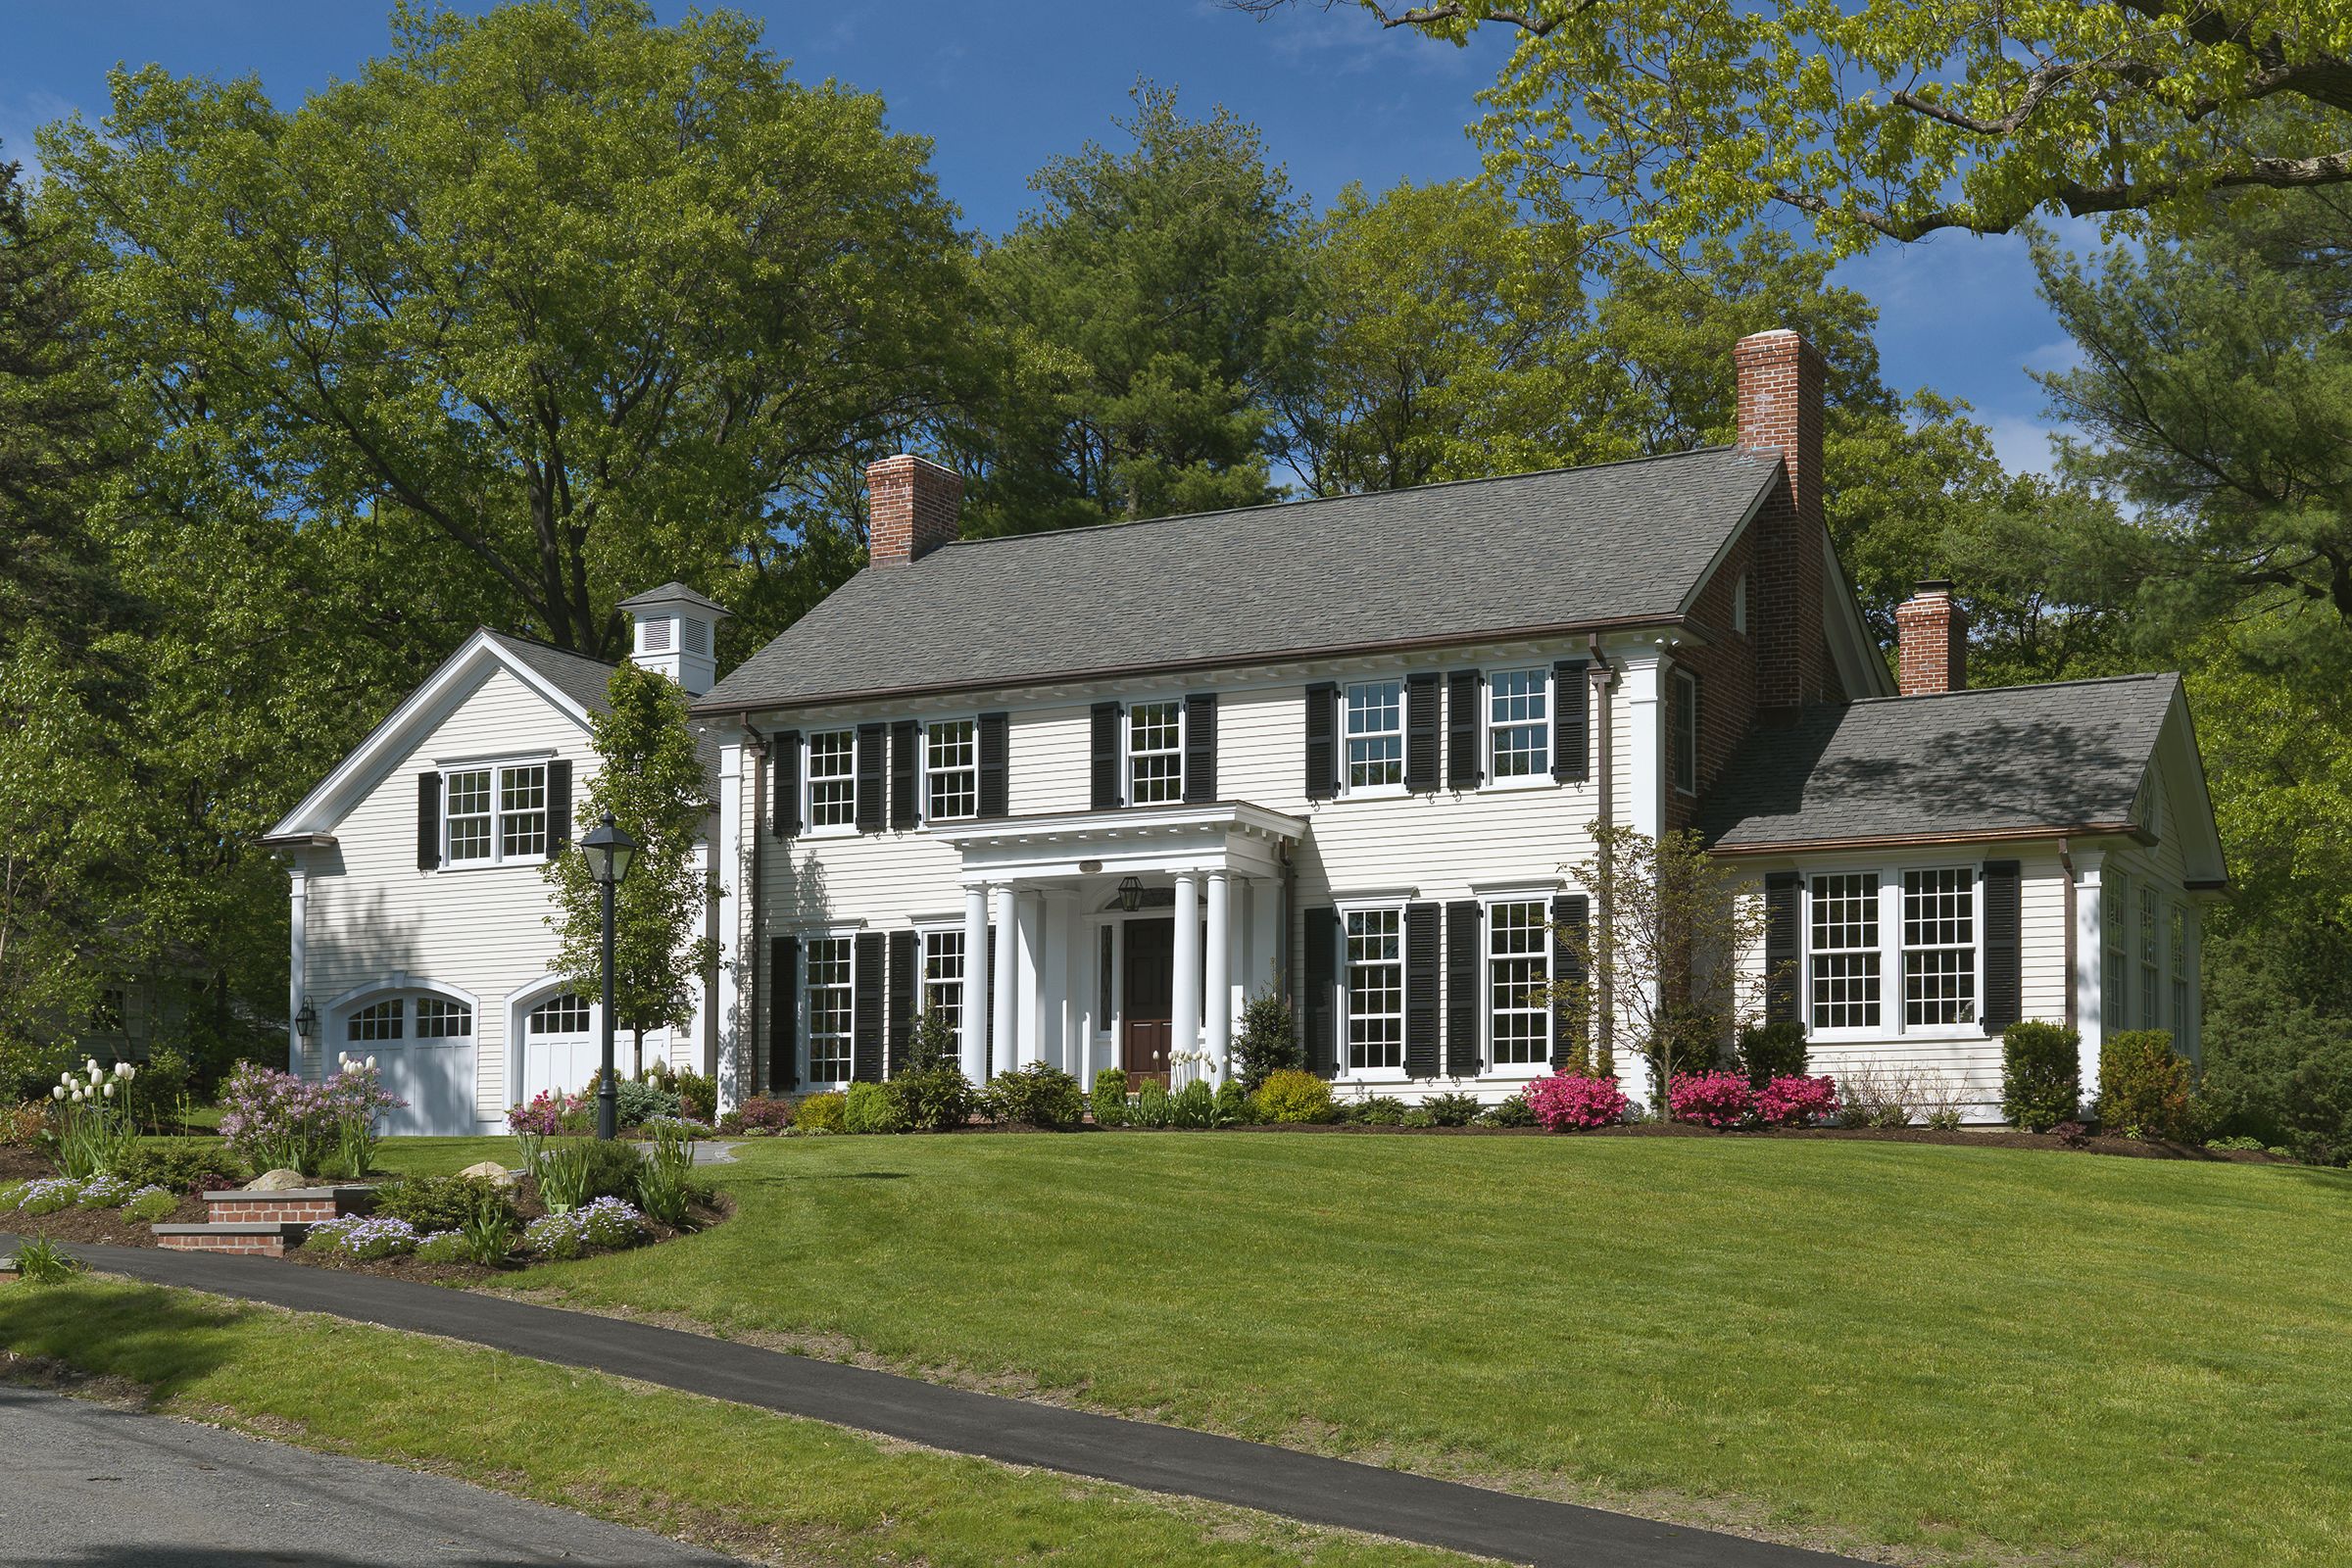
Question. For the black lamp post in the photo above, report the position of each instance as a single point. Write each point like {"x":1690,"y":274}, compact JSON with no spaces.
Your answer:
{"x":608,"y":850}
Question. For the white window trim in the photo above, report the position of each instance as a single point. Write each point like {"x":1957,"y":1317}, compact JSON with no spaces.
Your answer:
{"x":1350,"y":790}
{"x":1347,"y":1072}
{"x":497,"y":769}
{"x":1541,"y":779}
{"x":1683,"y":710}
{"x":924,"y":931}
{"x":1890,"y":1025}
{"x":922,"y":741}
{"x":805,"y":1045}
{"x":809,"y":824}
{"x":1513,"y":1071}
{"x":1127,"y":708}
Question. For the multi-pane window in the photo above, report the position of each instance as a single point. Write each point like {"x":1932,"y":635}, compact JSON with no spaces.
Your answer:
{"x":523,"y":811}
{"x":952,"y":769}
{"x":1375,"y":733}
{"x":466,"y":805}
{"x":2117,"y":990}
{"x":440,"y":1019}
{"x":1682,"y":740}
{"x":379,"y":1021}
{"x":1375,"y":990}
{"x":829,"y":1011}
{"x":1845,"y":951}
{"x":1519,"y":724}
{"x":2180,"y":947}
{"x":2151,"y":968}
{"x":942,"y":976}
{"x":1940,"y":945}
{"x":1154,"y":753}
{"x":1518,"y":965}
{"x":833,"y":778}
{"x":566,"y":1014}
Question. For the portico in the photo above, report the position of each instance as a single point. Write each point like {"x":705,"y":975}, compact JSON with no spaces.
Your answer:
{"x":1089,"y":910}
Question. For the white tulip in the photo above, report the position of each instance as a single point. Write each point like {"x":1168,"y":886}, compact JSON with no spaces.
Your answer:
{"x":91,"y":1066}
{"x":122,"y":1069}
{"x":110,"y":1091}
{"x":59,"y":1093}
{"x":372,"y":1064}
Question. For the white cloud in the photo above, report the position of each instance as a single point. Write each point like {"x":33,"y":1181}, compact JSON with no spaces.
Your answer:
{"x":2023,"y":445}
{"x":21,"y":114}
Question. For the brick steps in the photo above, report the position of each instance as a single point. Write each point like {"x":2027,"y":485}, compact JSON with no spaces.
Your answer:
{"x":264,"y":1224}
{"x":256,"y":1238}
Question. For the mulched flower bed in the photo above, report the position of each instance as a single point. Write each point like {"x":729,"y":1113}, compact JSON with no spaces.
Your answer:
{"x":526,"y":1204}
{"x":105,"y":1227}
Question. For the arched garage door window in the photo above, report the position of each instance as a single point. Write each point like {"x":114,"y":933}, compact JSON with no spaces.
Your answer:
{"x":558,"y":1047}
{"x":424,"y":1049}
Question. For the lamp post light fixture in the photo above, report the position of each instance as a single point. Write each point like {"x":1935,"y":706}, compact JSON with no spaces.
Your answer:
{"x":1131,"y":893}
{"x":608,"y":850}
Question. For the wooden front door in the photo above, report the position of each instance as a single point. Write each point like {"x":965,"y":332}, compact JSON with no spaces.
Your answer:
{"x":1149,"y":972}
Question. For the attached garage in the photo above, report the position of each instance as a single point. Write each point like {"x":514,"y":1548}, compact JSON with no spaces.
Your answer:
{"x":423,"y":1046}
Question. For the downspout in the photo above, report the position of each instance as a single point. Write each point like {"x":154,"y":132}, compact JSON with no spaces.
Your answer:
{"x":2066,"y":859}
{"x":1602,"y":678}
{"x":756,"y":829}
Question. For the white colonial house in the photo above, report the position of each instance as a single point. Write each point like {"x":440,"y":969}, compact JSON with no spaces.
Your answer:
{"x":1088,"y":792}
{"x":420,"y":911}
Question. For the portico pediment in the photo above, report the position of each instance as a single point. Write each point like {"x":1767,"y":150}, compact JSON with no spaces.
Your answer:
{"x":1232,"y":836}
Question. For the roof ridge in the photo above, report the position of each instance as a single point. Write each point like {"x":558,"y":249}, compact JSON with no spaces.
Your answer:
{"x":2023,"y":686}
{"x":534,"y":642}
{"x":1091,"y":528}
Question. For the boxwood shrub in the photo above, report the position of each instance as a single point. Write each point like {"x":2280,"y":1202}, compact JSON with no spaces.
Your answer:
{"x":2145,"y":1090}
{"x":2041,"y":1074}
{"x":871,"y":1108}
{"x":1294,"y":1096}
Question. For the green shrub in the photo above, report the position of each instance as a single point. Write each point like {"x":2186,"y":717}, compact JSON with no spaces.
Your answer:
{"x":2041,"y":1074}
{"x":871,"y":1108}
{"x":1194,"y":1106}
{"x":1268,"y":1042}
{"x":1512,"y":1113}
{"x":1291,"y":1096}
{"x":163,"y":1079}
{"x":1232,"y":1105}
{"x":932,"y":1043}
{"x":1451,"y":1110}
{"x":2279,"y":1072}
{"x":1152,"y":1107}
{"x":1418,"y":1116}
{"x":440,"y":1203}
{"x":2145,"y":1090}
{"x":1380,"y":1110}
{"x":1109,"y":1101}
{"x":150,"y":1205}
{"x":575,"y":1171}
{"x":819,"y":1113}
{"x":935,"y":1098}
{"x":178,"y":1163}
{"x":634,"y":1104}
{"x":1772,"y":1050}
{"x":1036,"y":1096}
{"x":699,"y":1094}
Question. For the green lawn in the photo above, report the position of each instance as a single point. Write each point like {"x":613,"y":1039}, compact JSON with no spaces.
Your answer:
{"x":731,"y":1477}
{"x":1980,"y":1351}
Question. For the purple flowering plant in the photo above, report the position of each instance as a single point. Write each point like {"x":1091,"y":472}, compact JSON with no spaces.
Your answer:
{"x":362,"y":1236}
{"x":274,"y":1120}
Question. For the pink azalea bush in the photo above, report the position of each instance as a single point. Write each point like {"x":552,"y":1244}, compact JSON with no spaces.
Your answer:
{"x":1798,"y":1101}
{"x":1566,"y":1102}
{"x":1716,"y":1100}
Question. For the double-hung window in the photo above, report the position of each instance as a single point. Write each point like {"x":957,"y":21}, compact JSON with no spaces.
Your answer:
{"x":2118,"y":941}
{"x":1940,"y":945}
{"x":1154,"y":753}
{"x":1683,"y":739}
{"x":829,"y":1010}
{"x":491,"y":814}
{"x":2152,"y":966}
{"x":1845,"y":951}
{"x":833,"y":779}
{"x":1375,"y":990}
{"x":2180,"y":947}
{"x":1519,"y":724}
{"x":1375,"y":734}
{"x":942,"y":977}
{"x":951,"y":770}
{"x":1518,"y":966}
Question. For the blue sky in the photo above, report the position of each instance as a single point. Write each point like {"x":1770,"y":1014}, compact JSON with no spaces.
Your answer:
{"x":1000,"y":87}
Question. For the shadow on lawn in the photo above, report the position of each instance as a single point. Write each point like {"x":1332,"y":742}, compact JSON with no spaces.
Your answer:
{"x":153,"y":1338}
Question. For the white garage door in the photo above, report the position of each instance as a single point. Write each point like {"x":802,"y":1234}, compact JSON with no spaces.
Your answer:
{"x":559,"y":1048}
{"x":424,"y":1050}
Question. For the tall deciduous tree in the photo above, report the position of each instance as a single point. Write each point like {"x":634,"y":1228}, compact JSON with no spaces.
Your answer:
{"x":650,"y":780}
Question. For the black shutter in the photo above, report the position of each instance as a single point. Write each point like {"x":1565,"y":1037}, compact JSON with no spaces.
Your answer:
{"x":865,"y":1009}
{"x":995,"y":742}
{"x":906,"y":957}
{"x":906,"y":747}
{"x":786,"y":808}
{"x":1201,"y":748}
{"x":1421,"y":987}
{"x":429,"y":821}
{"x":870,"y":778}
{"x":1421,"y":732}
{"x":1322,"y":741}
{"x":559,"y":805}
{"x":1322,"y":976}
{"x":1572,"y":722}
{"x":1570,"y":1007}
{"x":1780,"y":947}
{"x":2005,"y":981}
{"x":1465,"y":929}
{"x":783,"y":1012}
{"x":1465,"y":765}
{"x":1107,"y":793}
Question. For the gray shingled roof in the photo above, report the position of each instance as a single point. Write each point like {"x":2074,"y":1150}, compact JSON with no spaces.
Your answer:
{"x":670,"y":592}
{"x":587,"y":681}
{"x":1997,"y":760}
{"x":1552,"y":551}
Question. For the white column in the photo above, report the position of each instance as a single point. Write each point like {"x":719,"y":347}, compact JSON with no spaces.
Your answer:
{"x":1219,"y":989}
{"x":1006,"y":984}
{"x":2091,"y":963}
{"x":729,"y":860}
{"x":1185,"y":1015}
{"x":976,"y":983}
{"x":299,"y":898}
{"x":1030,"y":921}
{"x":1645,"y":812}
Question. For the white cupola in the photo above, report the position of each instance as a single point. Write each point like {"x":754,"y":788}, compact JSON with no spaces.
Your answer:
{"x":677,"y":635}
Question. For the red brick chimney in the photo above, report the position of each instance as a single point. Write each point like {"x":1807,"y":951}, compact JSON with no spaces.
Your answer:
{"x":1933,"y":631}
{"x":911,"y":504}
{"x":1779,"y":410}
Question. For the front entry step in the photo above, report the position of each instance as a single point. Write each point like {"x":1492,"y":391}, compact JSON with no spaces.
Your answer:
{"x":247,"y":1237}
{"x":306,"y":1203}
